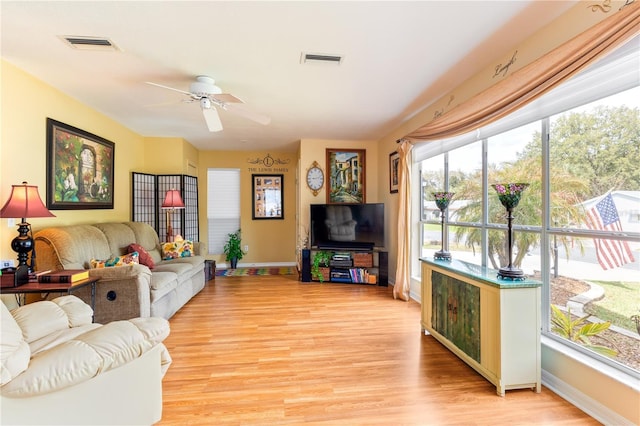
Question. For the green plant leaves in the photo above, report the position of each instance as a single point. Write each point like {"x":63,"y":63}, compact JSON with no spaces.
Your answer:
{"x":579,"y":330}
{"x":232,"y":248}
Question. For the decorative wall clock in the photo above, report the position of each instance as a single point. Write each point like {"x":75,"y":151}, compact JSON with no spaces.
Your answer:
{"x":315,"y":178}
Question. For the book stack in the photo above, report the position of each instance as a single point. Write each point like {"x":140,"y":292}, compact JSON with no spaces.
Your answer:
{"x":341,"y":259}
{"x":340,"y":275}
{"x":341,"y":255}
{"x":359,"y":275}
{"x":69,"y":276}
{"x":7,"y":278}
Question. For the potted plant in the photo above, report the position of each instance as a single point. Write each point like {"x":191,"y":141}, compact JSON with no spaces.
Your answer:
{"x":232,"y":248}
{"x":320,"y":261}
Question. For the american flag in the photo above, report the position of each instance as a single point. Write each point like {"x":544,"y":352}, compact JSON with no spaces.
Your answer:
{"x":604,"y":217}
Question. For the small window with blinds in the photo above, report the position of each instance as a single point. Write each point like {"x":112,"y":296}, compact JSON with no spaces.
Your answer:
{"x":223,"y":206}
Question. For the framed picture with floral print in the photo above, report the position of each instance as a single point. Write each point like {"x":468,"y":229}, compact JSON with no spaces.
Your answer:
{"x":80,"y":168}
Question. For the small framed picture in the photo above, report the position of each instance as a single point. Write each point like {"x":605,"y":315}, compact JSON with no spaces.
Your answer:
{"x":267,"y":193}
{"x":394,"y":163}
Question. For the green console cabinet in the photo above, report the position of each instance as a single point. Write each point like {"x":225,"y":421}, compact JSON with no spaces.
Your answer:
{"x":456,"y":312}
{"x":491,"y":324}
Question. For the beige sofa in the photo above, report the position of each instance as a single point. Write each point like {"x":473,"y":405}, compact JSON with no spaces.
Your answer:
{"x":57,"y":367}
{"x":127,"y":291}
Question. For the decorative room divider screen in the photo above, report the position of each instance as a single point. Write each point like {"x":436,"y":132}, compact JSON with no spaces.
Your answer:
{"x":147,"y":192}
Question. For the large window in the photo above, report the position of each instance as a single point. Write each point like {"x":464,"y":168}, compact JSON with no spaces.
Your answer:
{"x":577,"y":227}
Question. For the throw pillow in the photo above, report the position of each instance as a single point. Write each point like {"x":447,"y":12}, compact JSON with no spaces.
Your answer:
{"x":144,"y":256}
{"x":124,"y":260}
{"x":177,"y":249}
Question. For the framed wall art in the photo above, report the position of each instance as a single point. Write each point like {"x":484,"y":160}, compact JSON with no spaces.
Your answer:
{"x":394,"y":163}
{"x":80,"y":169}
{"x":267,"y":192}
{"x":346,"y":176}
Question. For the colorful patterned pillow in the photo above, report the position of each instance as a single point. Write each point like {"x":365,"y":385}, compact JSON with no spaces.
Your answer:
{"x":144,"y":256}
{"x":124,"y":260}
{"x":177,"y":249}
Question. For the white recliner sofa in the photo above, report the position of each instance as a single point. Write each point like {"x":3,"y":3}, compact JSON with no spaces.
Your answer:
{"x":58,"y":367}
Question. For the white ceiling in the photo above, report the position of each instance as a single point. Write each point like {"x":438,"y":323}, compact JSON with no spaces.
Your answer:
{"x":398,"y":58}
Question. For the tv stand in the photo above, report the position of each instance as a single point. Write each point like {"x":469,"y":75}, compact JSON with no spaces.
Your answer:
{"x":346,"y":246}
{"x":362,"y":263}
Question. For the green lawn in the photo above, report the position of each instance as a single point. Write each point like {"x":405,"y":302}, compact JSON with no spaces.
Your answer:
{"x":621,"y":300}
{"x":452,"y":244}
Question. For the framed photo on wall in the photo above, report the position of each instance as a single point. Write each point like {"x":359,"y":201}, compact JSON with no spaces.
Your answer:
{"x":346,"y":176}
{"x":394,"y":163}
{"x":80,"y":169}
{"x":267,"y":192}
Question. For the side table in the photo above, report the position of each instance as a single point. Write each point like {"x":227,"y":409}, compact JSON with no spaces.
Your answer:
{"x":69,"y":288}
{"x":209,"y":270}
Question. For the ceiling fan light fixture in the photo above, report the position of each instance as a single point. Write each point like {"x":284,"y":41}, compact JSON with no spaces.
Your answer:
{"x":205,"y":103}
{"x":204,"y":86}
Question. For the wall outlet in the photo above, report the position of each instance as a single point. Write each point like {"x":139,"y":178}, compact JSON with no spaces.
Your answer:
{"x":246,"y":248}
{"x":6,"y":263}
{"x":11,"y":223}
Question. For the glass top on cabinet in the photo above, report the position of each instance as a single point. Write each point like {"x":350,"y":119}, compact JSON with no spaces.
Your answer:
{"x":480,"y":273}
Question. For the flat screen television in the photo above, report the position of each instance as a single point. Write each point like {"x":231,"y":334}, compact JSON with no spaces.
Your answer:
{"x":347,"y":226}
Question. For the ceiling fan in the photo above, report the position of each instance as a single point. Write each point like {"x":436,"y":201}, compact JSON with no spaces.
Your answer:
{"x":210,"y":96}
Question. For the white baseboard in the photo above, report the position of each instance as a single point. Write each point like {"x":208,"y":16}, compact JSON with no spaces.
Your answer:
{"x":587,"y":404}
{"x":412,"y":295}
{"x":257,"y":265}
{"x":415,"y":296}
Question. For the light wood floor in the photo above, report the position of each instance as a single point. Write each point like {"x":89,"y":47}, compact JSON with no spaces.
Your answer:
{"x":269,"y":350}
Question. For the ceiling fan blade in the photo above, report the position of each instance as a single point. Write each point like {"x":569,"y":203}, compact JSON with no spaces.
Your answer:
{"x":243,"y":111}
{"x":226,"y":98}
{"x":213,"y":119}
{"x":170,"y":88}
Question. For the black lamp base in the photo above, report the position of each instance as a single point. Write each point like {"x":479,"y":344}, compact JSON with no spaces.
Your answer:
{"x":511,"y":273}
{"x":22,"y":244}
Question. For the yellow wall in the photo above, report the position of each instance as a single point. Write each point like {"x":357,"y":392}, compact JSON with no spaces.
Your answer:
{"x":26,"y":104}
{"x":170,"y":156}
{"x":24,"y":136}
{"x":270,"y":241}
{"x":316,"y":150}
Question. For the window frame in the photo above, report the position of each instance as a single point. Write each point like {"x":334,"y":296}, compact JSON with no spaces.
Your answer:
{"x":562,"y":99}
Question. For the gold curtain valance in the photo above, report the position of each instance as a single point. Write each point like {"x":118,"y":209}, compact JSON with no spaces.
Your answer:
{"x":536,"y":78}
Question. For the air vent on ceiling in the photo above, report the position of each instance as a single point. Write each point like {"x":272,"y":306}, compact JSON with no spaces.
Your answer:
{"x":320,"y":58}
{"x":89,"y":43}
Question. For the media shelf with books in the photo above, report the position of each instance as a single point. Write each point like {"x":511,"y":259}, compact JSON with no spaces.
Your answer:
{"x":350,"y":266}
